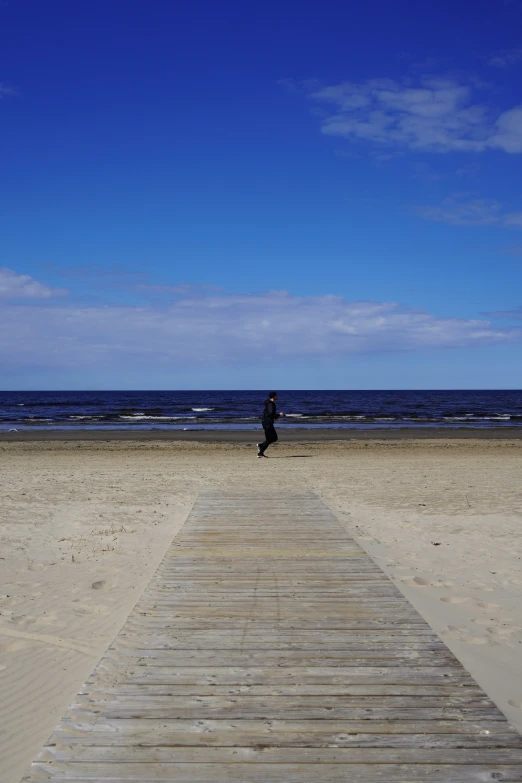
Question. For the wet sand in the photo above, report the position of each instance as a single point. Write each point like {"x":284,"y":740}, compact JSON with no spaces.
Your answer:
{"x":289,"y":435}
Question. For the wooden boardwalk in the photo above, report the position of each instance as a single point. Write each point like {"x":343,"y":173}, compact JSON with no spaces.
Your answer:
{"x":270,"y":648}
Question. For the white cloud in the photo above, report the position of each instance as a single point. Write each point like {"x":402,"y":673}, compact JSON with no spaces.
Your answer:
{"x":470,"y":170}
{"x":505,"y":58}
{"x":461,"y":211}
{"x":513,"y":219}
{"x":15,"y":286}
{"x":507,"y":135}
{"x":514,"y":250}
{"x":436,"y":115}
{"x":222,"y":328}
{"x":183,"y":289}
{"x":510,"y":314}
{"x":5,"y":90}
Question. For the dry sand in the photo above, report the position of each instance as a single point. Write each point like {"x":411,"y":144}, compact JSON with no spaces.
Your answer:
{"x":84,"y":525}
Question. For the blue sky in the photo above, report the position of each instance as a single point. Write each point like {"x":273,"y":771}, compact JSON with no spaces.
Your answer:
{"x":239,"y":195}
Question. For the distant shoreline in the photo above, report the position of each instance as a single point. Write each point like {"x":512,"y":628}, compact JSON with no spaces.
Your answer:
{"x":251,"y":435}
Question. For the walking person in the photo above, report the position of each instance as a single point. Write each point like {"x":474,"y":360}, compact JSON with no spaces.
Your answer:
{"x":270,"y":414}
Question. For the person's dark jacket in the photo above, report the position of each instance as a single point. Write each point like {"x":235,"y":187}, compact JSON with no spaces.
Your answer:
{"x":269,"y":414}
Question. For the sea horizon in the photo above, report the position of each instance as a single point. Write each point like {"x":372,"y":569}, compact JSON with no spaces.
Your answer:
{"x":241,"y":409}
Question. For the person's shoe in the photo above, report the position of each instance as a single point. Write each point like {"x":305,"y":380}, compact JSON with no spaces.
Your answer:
{"x":262,"y":456}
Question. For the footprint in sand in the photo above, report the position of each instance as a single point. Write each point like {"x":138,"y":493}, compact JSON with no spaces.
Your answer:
{"x":9,"y":647}
{"x":8,"y":602}
{"x":420,"y":581}
{"x":488,"y":605}
{"x":55,"y":641}
{"x":47,"y":619}
{"x":481,"y":620}
{"x":463,"y":636}
{"x":515,"y":703}
{"x":502,"y":632}
{"x":455,"y":599}
{"x":20,"y":619}
{"x":473,"y":639}
{"x":82,"y":609}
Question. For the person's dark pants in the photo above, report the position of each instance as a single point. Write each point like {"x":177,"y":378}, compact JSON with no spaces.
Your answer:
{"x":270,"y":437}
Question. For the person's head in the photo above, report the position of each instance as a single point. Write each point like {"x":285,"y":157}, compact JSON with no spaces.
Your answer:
{"x":272,"y":396}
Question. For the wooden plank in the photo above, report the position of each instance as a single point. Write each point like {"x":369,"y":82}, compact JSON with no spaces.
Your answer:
{"x":339,"y":675}
{"x":358,"y":629}
{"x":231,"y":639}
{"x":308,"y":734}
{"x":203,"y":708}
{"x":278,"y":689}
{"x":273,"y":773}
{"x":246,"y":639}
{"x":356,"y":626}
{"x":274,"y":755}
{"x":269,"y":648}
{"x":290,"y":658}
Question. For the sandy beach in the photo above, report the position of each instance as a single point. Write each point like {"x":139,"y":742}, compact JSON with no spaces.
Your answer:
{"x":85,"y":522}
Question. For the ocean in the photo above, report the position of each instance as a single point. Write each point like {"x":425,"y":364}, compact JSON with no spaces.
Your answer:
{"x":196,"y":410}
